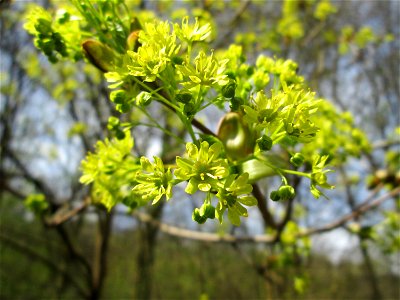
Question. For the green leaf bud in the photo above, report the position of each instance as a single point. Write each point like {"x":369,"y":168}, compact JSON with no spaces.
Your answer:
{"x":53,"y":59}
{"x":297,"y":160}
{"x":286,"y":192}
{"x":59,"y":44}
{"x":100,"y":55}
{"x":143,"y":99}
{"x":265,"y":143}
{"x":118,"y":96}
{"x":236,"y":136}
{"x":228,"y":90}
{"x":47,"y":46}
{"x":132,"y":41}
{"x":130,"y":202}
{"x":184,"y":97}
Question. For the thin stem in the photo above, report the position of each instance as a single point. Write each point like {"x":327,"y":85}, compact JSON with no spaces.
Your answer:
{"x":294,"y":172}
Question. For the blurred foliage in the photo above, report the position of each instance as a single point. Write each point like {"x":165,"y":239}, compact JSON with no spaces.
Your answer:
{"x":182,"y":269}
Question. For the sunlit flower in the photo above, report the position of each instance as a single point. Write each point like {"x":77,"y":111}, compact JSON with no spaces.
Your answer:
{"x":154,"y":180}
{"x":202,"y":168}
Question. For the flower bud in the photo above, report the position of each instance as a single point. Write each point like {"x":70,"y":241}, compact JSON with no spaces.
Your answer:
{"x":228,"y":90}
{"x":123,"y":108}
{"x":235,"y":103}
{"x":113,"y":123}
{"x":189,"y":109}
{"x":297,"y":160}
{"x":197,"y":217}
{"x":275,"y":196}
{"x":208,"y":211}
{"x":265,"y":143}
{"x":184,"y":97}
{"x":118,"y":96}
{"x":286,"y":192}
{"x":143,"y":99}
{"x":119,"y":134}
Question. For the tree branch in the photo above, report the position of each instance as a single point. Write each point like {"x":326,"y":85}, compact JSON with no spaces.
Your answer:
{"x":62,"y":216}
{"x":266,"y":239}
{"x":263,"y":207}
{"x":201,"y":236}
{"x":361,"y":209}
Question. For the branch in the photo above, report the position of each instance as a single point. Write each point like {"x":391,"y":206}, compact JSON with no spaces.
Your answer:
{"x":262,"y":206}
{"x":266,"y":239}
{"x":61,"y":216}
{"x":361,"y":209}
{"x":101,"y":252}
{"x":201,"y":236}
{"x":384,"y":144}
{"x":41,"y":186}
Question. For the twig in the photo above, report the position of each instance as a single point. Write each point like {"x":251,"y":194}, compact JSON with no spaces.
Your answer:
{"x":201,"y":236}
{"x":262,"y":206}
{"x":361,"y":209}
{"x":61,"y":217}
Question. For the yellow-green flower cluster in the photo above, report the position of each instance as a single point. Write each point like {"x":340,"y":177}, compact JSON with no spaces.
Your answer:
{"x":203,"y":168}
{"x":111,"y":170}
{"x":205,"y":171}
{"x":158,"y":46}
{"x":207,"y":71}
{"x":192,"y":33}
{"x":233,"y":195}
{"x":287,"y":113}
{"x":154,"y":181}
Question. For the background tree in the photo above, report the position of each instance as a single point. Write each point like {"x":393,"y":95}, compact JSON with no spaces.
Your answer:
{"x":83,"y":114}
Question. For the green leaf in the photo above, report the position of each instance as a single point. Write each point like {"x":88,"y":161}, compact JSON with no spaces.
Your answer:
{"x":248,"y":200}
{"x":234,"y":217}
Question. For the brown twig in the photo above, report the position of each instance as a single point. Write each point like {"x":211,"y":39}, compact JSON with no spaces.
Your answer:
{"x":62,"y":216}
{"x":262,"y":206}
{"x":201,"y":236}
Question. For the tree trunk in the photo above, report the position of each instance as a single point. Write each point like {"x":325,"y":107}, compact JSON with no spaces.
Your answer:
{"x":145,"y":258}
